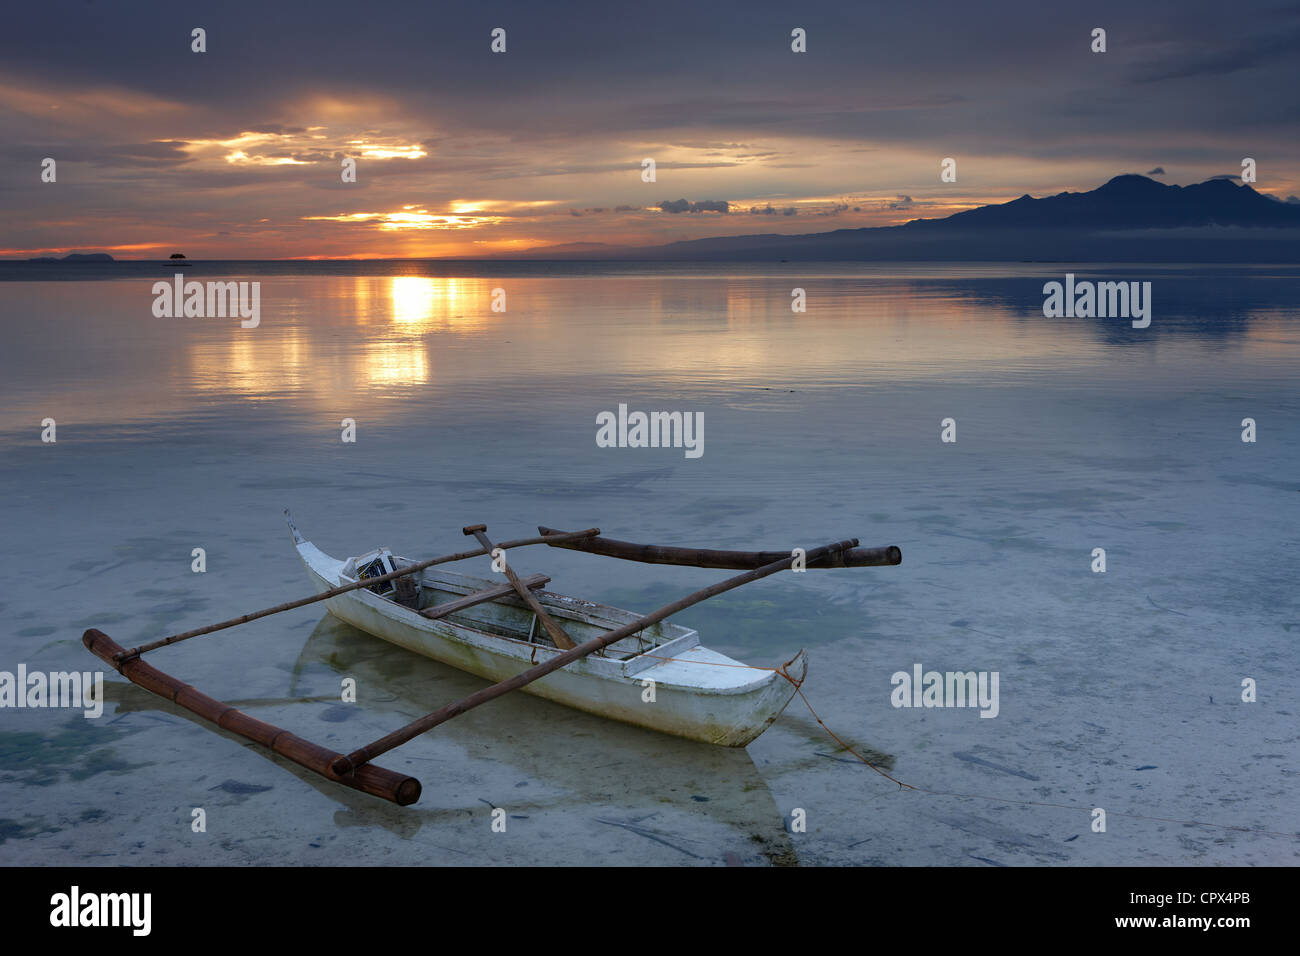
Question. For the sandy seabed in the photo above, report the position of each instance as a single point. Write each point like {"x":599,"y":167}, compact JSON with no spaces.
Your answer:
{"x":1119,"y":691}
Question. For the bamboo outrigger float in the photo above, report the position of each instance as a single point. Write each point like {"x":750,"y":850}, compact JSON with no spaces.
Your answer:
{"x":516,"y":634}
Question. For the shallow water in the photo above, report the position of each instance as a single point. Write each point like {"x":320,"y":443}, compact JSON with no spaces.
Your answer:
{"x":1118,"y":690}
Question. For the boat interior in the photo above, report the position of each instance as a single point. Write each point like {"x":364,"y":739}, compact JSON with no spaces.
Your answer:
{"x":493,"y":607}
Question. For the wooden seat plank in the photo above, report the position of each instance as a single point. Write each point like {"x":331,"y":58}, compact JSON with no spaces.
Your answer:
{"x":533,"y":581}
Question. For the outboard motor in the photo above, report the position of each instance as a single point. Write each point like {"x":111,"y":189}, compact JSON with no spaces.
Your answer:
{"x":404,"y":591}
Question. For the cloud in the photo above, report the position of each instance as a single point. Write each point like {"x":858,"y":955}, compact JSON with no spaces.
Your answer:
{"x":407,"y":218}
{"x":706,"y":205}
{"x":301,"y":146}
{"x":124,"y":155}
{"x":1248,"y":54}
{"x":1158,"y":171}
{"x":568,"y":116}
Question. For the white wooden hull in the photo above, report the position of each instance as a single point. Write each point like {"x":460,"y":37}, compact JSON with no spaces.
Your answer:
{"x":698,"y":693}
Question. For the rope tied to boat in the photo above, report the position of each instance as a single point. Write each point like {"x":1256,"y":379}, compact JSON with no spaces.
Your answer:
{"x":797,"y":684}
{"x":798,"y":689}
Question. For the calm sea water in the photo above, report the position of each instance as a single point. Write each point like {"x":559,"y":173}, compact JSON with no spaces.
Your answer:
{"x":1119,"y":690}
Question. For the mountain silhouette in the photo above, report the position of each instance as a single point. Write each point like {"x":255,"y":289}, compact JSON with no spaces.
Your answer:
{"x":1131,"y":202}
{"x":1128,"y":219}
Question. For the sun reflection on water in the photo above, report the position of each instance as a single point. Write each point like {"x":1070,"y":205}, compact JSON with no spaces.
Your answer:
{"x":422,"y":302}
{"x":399,"y":363}
{"x":94,"y":354}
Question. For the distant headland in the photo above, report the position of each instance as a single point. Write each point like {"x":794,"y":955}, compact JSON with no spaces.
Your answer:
{"x":1130,"y":218}
{"x":77,"y":257}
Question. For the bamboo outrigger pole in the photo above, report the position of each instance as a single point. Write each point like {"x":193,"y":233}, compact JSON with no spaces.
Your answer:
{"x":135,"y":652}
{"x":359,"y":759}
{"x":389,"y":784}
{"x":712,"y":558}
{"x":557,"y":633}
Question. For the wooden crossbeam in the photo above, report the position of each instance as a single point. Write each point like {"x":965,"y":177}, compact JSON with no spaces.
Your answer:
{"x":532,"y":582}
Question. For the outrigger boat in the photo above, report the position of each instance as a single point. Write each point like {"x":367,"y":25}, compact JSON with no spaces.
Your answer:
{"x":699,"y":694}
{"x":585,"y":655}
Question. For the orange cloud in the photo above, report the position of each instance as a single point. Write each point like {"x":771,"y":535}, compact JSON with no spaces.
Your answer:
{"x":410,"y":217}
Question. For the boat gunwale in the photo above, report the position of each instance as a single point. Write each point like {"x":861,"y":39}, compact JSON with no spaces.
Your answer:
{"x":574,"y":608}
{"x":599,"y":668}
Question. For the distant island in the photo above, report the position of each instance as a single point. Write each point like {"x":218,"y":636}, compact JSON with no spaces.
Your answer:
{"x":1131,"y":218}
{"x":77,"y":257}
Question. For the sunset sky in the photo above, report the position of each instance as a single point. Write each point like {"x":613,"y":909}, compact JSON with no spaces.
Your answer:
{"x":236,"y":152}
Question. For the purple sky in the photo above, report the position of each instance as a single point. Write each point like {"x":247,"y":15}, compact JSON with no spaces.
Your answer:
{"x":237,"y":152}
